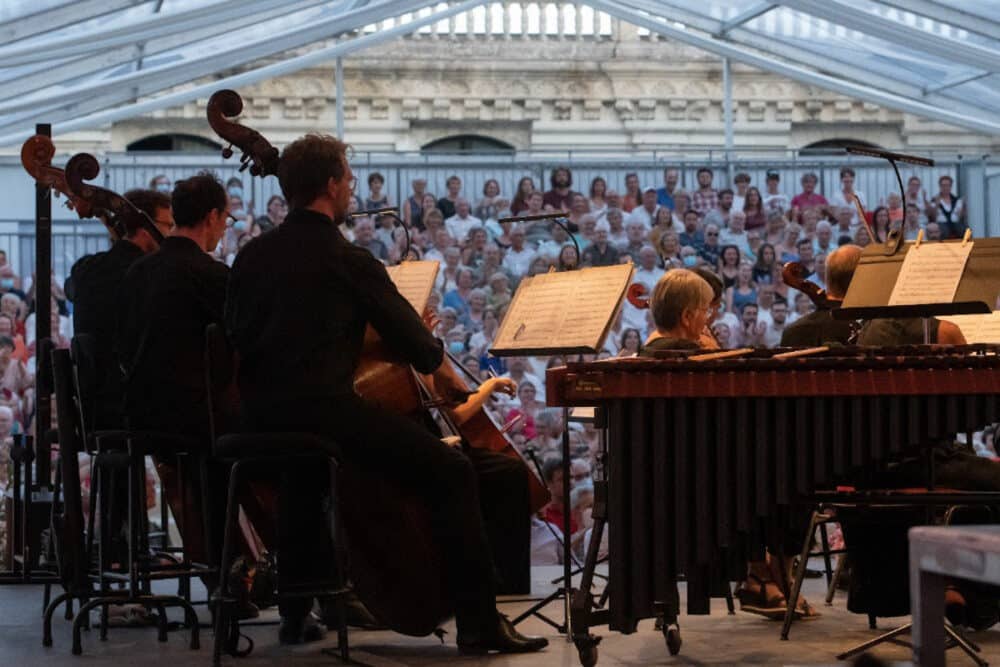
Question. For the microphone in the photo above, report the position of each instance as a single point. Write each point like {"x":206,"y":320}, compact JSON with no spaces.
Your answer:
{"x":889,"y":155}
{"x":529,"y":218}
{"x":373,"y":211}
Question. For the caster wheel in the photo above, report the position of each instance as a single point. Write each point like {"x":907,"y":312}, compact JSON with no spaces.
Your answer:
{"x":588,"y":656}
{"x":672,"y":635}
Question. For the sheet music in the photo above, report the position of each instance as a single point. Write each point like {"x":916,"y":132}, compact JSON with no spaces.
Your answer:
{"x":414,"y":280}
{"x":978,"y":328}
{"x":930,"y":274}
{"x":565,"y":310}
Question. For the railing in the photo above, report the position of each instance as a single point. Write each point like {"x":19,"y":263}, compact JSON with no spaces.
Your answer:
{"x":976,"y":179}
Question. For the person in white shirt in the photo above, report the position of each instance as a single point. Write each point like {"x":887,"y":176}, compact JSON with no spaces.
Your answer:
{"x":551,"y":247}
{"x":616,"y":222}
{"x":646,"y":273}
{"x":742,"y":183}
{"x":844,"y":197}
{"x":463,"y":221}
{"x":519,"y":255}
{"x":646,"y":213}
{"x":736,"y":234}
{"x":773,"y":199}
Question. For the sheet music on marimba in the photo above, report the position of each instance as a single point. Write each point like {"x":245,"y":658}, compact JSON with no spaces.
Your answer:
{"x":978,"y":328}
{"x":415,"y":281}
{"x":570,"y":311}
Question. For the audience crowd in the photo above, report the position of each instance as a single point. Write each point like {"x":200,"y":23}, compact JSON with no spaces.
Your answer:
{"x":744,"y":231}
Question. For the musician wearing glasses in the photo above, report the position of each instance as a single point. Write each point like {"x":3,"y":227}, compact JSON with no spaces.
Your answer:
{"x":275,"y":284}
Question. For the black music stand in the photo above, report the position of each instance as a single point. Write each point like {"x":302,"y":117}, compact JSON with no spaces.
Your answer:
{"x":878,"y":271}
{"x":509,"y":344}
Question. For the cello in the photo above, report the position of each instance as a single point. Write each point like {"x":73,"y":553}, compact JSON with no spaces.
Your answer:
{"x":397,"y":568}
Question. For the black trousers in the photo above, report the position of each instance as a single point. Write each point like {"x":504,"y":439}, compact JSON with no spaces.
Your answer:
{"x":506,"y":509}
{"x":407,"y":454}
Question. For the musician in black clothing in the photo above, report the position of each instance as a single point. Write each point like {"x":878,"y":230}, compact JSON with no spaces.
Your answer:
{"x":819,"y":327}
{"x":168,"y":298}
{"x":299,"y":300}
{"x":93,"y":286}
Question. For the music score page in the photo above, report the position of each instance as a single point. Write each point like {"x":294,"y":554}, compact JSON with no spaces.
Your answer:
{"x":930,"y":274}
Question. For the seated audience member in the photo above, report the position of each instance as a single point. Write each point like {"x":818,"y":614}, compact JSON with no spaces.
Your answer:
{"x":447,"y":203}
{"x":560,"y":196}
{"x":601,"y":252}
{"x":492,"y":204}
{"x":646,"y":211}
{"x":364,"y":236}
{"x":462,"y":222}
{"x":808,"y":198}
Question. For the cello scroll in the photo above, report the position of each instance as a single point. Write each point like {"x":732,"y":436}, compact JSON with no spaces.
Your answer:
{"x":257,"y":152}
{"x":794,"y":275}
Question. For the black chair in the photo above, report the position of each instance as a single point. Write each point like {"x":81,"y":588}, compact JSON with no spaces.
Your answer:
{"x":257,"y":456}
{"x":111,"y":450}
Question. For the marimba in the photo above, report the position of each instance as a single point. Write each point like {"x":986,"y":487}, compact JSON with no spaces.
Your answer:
{"x":704,"y":455}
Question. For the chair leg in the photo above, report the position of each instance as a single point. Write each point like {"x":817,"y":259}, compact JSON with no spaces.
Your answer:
{"x":831,"y":590}
{"x":800,"y":573}
{"x":825,"y":543}
{"x":222,"y":604}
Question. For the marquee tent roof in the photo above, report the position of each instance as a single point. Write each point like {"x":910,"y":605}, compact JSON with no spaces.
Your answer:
{"x":83,"y":63}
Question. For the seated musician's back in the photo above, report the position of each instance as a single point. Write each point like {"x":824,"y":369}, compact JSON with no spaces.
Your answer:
{"x":168,"y":298}
{"x":300,"y":299}
{"x":819,"y":327}
{"x":93,"y":287}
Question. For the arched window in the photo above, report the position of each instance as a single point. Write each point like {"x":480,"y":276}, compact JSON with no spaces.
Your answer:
{"x":189,"y":143}
{"x":834,"y":146}
{"x":472,"y":143}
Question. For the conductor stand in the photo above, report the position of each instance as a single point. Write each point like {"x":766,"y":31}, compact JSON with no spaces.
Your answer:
{"x":544,"y":319}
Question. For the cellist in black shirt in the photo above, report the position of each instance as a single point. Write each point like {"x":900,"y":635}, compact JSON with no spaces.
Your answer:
{"x":300,"y":298}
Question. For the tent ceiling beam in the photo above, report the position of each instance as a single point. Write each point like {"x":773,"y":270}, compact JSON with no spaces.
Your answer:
{"x":750,"y":14}
{"x":61,"y":16}
{"x":953,"y":50}
{"x":166,"y":76}
{"x":247,"y":78}
{"x":959,"y":18}
{"x":815,"y":59}
{"x":729,"y":50}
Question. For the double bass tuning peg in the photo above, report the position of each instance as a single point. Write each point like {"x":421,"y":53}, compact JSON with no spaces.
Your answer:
{"x":227,"y":152}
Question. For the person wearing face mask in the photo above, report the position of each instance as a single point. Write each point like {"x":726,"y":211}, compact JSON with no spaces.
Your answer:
{"x":160,"y":183}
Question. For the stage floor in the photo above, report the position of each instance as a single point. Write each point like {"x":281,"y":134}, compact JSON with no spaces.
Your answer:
{"x":717,"y":639}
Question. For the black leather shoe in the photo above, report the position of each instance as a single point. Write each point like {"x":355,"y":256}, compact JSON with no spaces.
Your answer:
{"x":503,"y":639}
{"x":300,"y":630}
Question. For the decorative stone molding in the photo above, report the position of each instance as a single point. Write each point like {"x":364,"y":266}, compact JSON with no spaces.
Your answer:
{"x":380,"y":109}
{"x":293,"y":107}
{"x":647,"y":109}
{"x":563,"y":109}
{"x":472,"y":109}
{"x":501,"y":109}
{"x":533,"y":109}
{"x":677,"y":109}
{"x":625,"y":109}
{"x":441,"y":109}
{"x":784,"y":110}
{"x":592,"y":109}
{"x":410,"y":109}
{"x":756,"y":110}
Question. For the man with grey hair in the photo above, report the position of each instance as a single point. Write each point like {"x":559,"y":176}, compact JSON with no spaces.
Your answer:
{"x":460,"y":224}
{"x":646,"y":211}
{"x":364,"y":236}
{"x":601,"y":252}
{"x":824,"y":243}
{"x":519,"y":255}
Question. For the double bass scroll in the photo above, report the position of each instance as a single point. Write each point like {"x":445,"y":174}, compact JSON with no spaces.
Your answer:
{"x":113,"y":209}
{"x":36,"y":158}
{"x":257,"y":152}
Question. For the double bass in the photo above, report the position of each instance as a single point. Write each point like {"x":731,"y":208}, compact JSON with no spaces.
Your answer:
{"x":397,"y":567}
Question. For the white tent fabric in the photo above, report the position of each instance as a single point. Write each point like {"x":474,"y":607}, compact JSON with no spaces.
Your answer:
{"x":84,"y":63}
